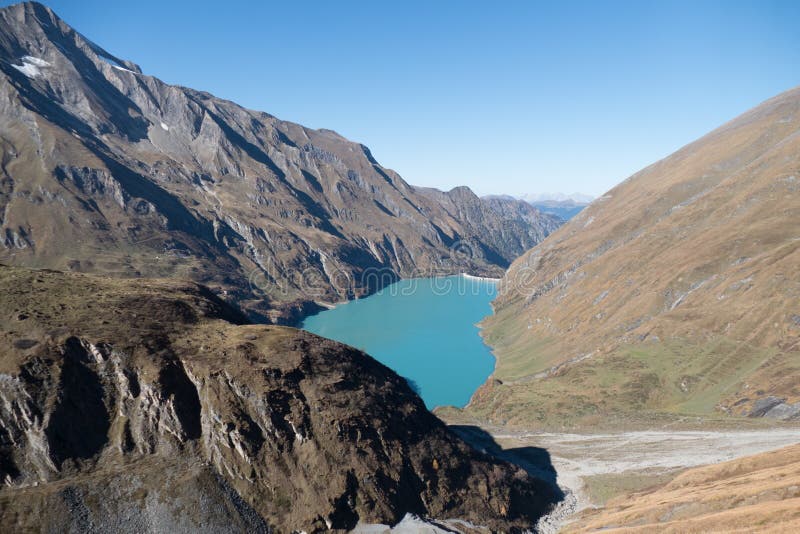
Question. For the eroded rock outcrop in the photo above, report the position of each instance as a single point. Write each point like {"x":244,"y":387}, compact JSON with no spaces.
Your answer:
{"x":151,"y":406}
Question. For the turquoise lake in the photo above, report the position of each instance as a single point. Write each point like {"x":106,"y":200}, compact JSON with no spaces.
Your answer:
{"x":424,"y":329}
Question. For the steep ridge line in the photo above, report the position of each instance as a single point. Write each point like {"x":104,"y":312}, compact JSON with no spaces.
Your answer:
{"x":112,"y":171}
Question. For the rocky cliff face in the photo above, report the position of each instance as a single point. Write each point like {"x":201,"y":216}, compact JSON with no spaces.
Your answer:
{"x":105,"y":169}
{"x":508,"y":223}
{"x":130,"y":405}
{"x":675,"y":292}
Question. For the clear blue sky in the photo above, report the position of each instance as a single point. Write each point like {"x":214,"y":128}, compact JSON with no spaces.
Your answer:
{"x":506,"y":97}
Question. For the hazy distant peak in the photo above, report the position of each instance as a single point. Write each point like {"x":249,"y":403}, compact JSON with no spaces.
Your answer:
{"x":580,"y":198}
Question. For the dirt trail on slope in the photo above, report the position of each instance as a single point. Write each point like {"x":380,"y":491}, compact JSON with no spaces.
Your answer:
{"x":581,"y":462}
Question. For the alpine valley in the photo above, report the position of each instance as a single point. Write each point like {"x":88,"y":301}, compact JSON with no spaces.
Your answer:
{"x":157,"y":244}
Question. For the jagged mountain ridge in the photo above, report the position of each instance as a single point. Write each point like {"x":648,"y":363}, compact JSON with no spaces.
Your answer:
{"x":152,"y":405}
{"x":106,"y":169}
{"x":506,"y":221}
{"x":675,"y":293}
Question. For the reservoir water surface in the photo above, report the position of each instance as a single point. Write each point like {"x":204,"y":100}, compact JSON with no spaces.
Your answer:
{"x":424,"y":329}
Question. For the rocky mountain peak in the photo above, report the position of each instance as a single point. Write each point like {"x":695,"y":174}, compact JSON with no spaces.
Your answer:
{"x":170,"y":181}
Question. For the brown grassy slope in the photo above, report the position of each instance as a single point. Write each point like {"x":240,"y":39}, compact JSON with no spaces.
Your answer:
{"x":676,"y":291}
{"x":758,"y":493}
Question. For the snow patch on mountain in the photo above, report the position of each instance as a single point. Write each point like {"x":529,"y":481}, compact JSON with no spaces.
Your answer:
{"x":31,"y":66}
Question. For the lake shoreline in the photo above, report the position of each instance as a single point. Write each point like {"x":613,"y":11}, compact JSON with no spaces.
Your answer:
{"x":297,"y":323}
{"x":423,"y":329}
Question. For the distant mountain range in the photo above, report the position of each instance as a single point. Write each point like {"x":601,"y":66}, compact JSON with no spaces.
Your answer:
{"x":562,"y":206}
{"x":564,"y":209}
{"x":577,"y":198}
{"x":108,"y":170}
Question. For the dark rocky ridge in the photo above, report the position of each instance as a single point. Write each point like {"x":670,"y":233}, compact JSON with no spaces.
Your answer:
{"x":151,"y":406}
{"x":108,"y":170}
